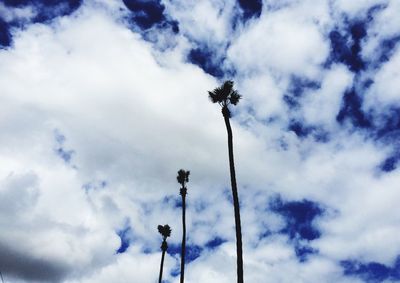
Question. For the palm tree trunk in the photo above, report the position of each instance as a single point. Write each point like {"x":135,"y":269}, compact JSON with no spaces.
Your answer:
{"x":239,"y":251}
{"x":183,"y":250}
{"x":161,"y":265}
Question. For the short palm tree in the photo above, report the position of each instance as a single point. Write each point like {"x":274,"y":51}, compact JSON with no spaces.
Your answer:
{"x":183,"y":178}
{"x":165,"y":232}
{"x":225,"y":95}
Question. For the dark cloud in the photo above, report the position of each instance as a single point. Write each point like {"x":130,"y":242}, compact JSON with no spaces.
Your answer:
{"x":21,"y":265}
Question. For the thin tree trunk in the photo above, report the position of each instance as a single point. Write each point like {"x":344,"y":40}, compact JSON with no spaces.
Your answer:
{"x":161,"y":266}
{"x":238,"y":227}
{"x":183,"y":250}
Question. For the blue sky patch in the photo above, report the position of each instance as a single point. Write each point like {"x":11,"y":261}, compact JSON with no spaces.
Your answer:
{"x":124,"y":235}
{"x":206,"y":59}
{"x":299,"y":129}
{"x":296,"y":89}
{"x":346,"y":46}
{"x":47,"y":9}
{"x":387,"y":48}
{"x":176,"y":270}
{"x":299,"y":216}
{"x":303,"y":252}
{"x":174,"y":249}
{"x":146,"y":14}
{"x":63,"y":153}
{"x":173,"y":201}
{"x":5,"y":36}
{"x":94,"y":185}
{"x":214,"y":243}
{"x":371,"y":272}
{"x":390,"y":163}
{"x":389,"y":127}
{"x":251,"y":8}
{"x":192,"y":251}
{"x":303,"y":131}
{"x":388,"y":134}
{"x":352,"y":110}
{"x":199,"y":206}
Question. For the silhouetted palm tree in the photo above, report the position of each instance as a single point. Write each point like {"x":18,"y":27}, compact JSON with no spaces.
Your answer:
{"x":225,"y":95}
{"x":183,"y":178}
{"x":165,"y":231}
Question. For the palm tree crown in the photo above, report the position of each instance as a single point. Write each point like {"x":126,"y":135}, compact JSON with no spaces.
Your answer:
{"x":183,"y":177}
{"x":225,"y":95}
{"x":165,"y":231}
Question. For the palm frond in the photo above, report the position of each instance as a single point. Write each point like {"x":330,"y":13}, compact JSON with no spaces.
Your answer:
{"x":187,"y":176}
{"x":226,"y":89}
{"x":234,"y":97}
{"x":216,"y":95}
{"x":213,"y":97}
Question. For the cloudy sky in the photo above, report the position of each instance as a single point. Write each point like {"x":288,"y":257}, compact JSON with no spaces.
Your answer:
{"x":103,"y":101}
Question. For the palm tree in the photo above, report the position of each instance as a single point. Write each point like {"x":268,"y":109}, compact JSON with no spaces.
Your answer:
{"x":165,"y":231}
{"x":183,"y":178}
{"x":225,"y":95}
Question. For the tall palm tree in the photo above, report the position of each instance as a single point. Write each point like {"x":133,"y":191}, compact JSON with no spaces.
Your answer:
{"x":225,"y":95}
{"x":165,"y":232}
{"x":183,"y":178}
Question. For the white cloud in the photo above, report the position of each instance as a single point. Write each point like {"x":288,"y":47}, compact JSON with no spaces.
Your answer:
{"x":356,"y":8}
{"x":281,"y":41}
{"x":323,"y":105}
{"x":385,"y":91}
{"x":208,"y":21}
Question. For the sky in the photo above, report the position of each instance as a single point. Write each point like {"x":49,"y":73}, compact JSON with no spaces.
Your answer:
{"x":103,"y":101}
